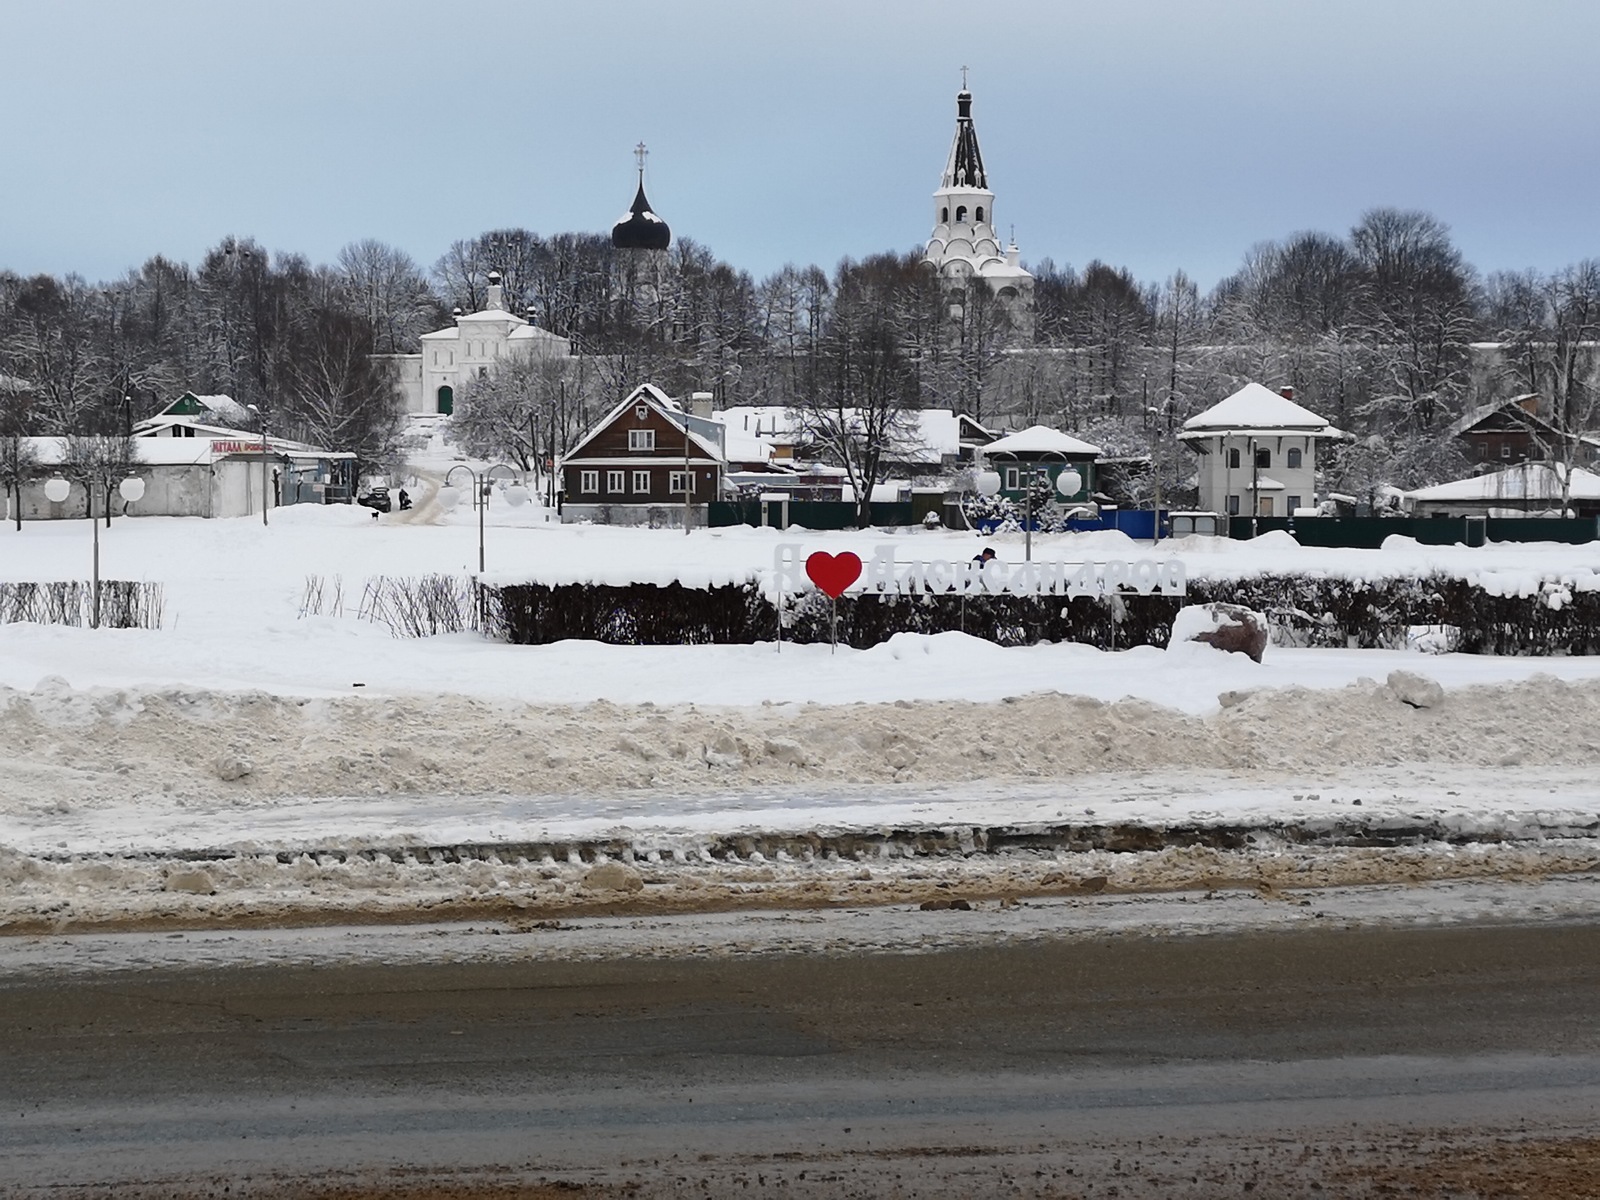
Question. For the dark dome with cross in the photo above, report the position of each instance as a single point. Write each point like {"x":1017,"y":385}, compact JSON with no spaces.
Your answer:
{"x":641,"y":229}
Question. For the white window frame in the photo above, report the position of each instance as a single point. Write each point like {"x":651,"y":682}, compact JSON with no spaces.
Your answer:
{"x":641,"y":481}
{"x":616,"y":481}
{"x":677,"y":481}
{"x":1013,"y":478}
{"x":641,"y":441}
{"x":589,"y":481}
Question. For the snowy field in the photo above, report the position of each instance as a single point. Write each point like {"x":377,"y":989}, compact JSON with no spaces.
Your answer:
{"x":248,"y":765}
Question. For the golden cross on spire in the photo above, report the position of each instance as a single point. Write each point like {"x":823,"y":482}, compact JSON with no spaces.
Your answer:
{"x":639,"y":153}
{"x":963,"y":79}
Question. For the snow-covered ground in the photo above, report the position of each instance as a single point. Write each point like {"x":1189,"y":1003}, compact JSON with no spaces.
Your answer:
{"x":248,"y":764}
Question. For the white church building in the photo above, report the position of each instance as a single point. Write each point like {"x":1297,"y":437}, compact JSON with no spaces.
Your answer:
{"x":964,"y":245}
{"x":471,"y":349}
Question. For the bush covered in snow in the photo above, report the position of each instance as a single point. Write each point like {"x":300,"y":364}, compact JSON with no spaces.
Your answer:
{"x":1303,"y":610}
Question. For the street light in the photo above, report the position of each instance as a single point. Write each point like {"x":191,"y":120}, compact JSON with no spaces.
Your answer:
{"x":1067,"y":483}
{"x":449,"y":496}
{"x":262,"y":417}
{"x":57,"y":489}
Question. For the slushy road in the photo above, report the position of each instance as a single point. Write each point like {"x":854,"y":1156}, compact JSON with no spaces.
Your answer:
{"x":1161,"y":1066}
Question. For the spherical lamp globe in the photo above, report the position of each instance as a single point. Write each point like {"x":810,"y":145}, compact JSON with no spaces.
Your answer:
{"x":988,"y":482}
{"x":448,"y":497}
{"x":1068,"y":483}
{"x":516,"y":495}
{"x":57,"y":489}
{"x":132,"y":489}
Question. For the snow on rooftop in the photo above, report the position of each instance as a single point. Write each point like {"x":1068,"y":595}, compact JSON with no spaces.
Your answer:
{"x":1039,"y":439}
{"x":1256,"y":407}
{"x":1526,"y":481}
{"x":157,"y":452}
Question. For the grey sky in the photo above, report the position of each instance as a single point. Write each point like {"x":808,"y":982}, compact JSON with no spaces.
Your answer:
{"x":1156,"y":134}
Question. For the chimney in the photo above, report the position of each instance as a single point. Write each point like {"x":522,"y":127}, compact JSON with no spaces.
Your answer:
{"x":1286,"y":392}
{"x":700,"y":404}
{"x":1529,"y":403}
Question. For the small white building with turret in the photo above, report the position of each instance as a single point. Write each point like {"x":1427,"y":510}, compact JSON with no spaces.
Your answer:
{"x":431,"y":381}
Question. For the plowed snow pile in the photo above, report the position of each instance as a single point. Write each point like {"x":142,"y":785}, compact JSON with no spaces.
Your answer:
{"x":193,"y":807}
{"x":60,"y":746}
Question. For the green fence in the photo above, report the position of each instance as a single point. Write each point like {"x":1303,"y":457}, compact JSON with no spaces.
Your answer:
{"x":1369,"y":532}
{"x":808,"y":514}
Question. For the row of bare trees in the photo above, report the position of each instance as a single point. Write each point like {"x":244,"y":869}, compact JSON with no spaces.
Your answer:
{"x":1376,"y":329}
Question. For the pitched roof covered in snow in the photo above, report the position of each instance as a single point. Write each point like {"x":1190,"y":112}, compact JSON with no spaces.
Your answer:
{"x":934,"y":432}
{"x":223,"y":408}
{"x":708,"y":434}
{"x":1040,"y":439}
{"x":1525,"y":481}
{"x":1255,"y":409}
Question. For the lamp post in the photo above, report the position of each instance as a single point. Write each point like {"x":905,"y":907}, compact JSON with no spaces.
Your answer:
{"x":57,"y":489}
{"x":450,"y":496}
{"x":262,"y":418}
{"x":1067,"y":483}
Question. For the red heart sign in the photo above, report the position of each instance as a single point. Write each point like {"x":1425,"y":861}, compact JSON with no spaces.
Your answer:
{"x":833,"y":572}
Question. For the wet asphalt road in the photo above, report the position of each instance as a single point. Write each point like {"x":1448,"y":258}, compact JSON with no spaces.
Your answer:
{"x":675,"y":1077}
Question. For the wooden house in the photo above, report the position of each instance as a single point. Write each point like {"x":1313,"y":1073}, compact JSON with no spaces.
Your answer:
{"x":649,"y":461}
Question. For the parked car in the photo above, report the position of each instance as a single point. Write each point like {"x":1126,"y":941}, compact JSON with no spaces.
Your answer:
{"x":376,"y":498}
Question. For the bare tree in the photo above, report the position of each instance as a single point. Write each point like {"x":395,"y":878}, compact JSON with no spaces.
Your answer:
{"x":386,"y":287}
{"x":869,"y":384}
{"x":99,"y":462}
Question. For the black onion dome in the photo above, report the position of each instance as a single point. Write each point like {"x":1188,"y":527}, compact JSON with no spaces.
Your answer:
{"x":641,"y":229}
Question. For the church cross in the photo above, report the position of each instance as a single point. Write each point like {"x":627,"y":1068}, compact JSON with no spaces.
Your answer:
{"x":639,"y":153}
{"x":963,"y":79}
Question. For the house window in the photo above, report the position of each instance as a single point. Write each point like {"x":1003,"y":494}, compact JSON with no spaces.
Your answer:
{"x":1233,"y":506}
{"x":591,"y":481}
{"x":641,"y":481}
{"x":1483,"y":449}
{"x":961,"y":213}
{"x":1505,"y":449}
{"x":980,"y":213}
{"x":1233,"y":458}
{"x":1294,"y":456}
{"x":641,"y":439}
{"x":680,"y":482}
{"x":483,"y":372}
{"x":1263,"y":458}
{"x":1294,"y":502}
{"x":1013,"y":478}
{"x":615,"y":481}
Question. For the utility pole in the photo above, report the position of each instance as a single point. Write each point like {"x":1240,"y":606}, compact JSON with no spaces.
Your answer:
{"x":688,"y":478}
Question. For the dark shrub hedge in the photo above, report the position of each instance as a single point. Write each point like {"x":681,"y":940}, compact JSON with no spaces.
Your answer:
{"x":1306,"y":610}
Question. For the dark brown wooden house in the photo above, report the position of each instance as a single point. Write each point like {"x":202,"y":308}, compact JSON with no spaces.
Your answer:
{"x":649,"y":461}
{"x":1500,"y":435}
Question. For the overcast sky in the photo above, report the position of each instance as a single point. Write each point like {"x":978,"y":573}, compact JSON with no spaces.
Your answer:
{"x":1152,"y":134}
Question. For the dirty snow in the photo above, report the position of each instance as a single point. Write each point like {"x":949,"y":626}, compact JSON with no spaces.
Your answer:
{"x":248,"y":765}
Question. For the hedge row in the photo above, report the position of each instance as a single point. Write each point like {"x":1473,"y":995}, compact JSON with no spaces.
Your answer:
{"x":1306,"y":610}
{"x":124,"y":604}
